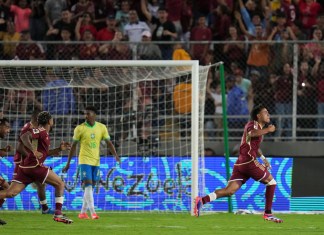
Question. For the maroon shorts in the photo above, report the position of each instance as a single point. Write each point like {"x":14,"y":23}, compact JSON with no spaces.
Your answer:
{"x":254,"y":170}
{"x":30,"y":175}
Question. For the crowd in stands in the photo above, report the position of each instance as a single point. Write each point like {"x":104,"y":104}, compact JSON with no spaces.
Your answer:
{"x":232,"y":31}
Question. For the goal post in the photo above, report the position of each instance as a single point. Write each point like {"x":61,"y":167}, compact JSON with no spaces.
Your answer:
{"x":177,"y":133}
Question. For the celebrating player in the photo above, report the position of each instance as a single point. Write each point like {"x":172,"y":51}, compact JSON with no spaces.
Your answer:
{"x":89,"y":134}
{"x":31,"y":169}
{"x":4,"y":131}
{"x":248,"y":166}
{"x":21,"y":152}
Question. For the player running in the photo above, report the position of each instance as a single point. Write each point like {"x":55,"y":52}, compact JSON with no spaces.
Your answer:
{"x":21,"y":152}
{"x":247,"y":166}
{"x":32,"y":168}
{"x":4,"y":131}
{"x":89,"y":134}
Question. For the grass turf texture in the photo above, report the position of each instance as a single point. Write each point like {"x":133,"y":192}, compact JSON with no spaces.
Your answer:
{"x":160,"y":223}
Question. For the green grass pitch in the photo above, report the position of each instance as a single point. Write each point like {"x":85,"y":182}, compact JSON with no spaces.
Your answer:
{"x":160,"y":223}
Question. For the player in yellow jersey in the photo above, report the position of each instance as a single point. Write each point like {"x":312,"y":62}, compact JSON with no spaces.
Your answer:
{"x":89,"y":134}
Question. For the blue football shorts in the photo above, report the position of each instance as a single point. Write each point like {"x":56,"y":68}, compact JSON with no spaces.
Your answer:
{"x":88,"y":172}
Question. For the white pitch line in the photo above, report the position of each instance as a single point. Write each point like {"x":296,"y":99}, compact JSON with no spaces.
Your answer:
{"x":172,"y":226}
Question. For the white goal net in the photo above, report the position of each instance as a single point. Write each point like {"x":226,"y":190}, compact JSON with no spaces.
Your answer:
{"x":154,"y":111}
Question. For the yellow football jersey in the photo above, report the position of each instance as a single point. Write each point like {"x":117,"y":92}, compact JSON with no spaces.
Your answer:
{"x":90,"y":138}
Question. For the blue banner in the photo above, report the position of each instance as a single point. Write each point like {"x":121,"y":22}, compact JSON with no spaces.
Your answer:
{"x":154,"y":183}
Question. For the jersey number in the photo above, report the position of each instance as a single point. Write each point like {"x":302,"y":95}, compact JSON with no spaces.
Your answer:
{"x":93,"y":145}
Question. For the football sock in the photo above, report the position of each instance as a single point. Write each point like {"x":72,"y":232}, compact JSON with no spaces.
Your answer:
{"x":84,"y":205}
{"x":44,"y":205}
{"x":209,"y":198}
{"x":58,"y":205}
{"x":270,"y":189}
{"x":88,"y":195}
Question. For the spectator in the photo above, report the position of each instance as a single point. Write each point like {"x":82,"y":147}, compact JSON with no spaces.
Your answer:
{"x":85,"y":23}
{"x":21,"y":14}
{"x":309,"y":10}
{"x":283,"y":100}
{"x":320,"y":22}
{"x":200,"y":33}
{"x":38,"y":25}
{"x":81,"y":7}
{"x":134,"y":29}
{"x":315,"y":48}
{"x":221,"y":23}
{"x":9,"y":48}
{"x":4,"y":18}
{"x":282,"y":28}
{"x":147,"y":50}
{"x":251,"y":22}
{"x":306,"y":98}
{"x":182,"y":105}
{"x":286,"y":7}
{"x":175,"y":8}
{"x":209,"y":122}
{"x":65,"y":50}
{"x":89,"y":50}
{"x":186,"y":20}
{"x":179,"y":53}
{"x":103,"y":8}
{"x":119,"y":51}
{"x":236,"y":105}
{"x":57,"y":96}
{"x":53,"y":11}
{"x":318,"y":73}
{"x":234,"y":50}
{"x":263,"y":91}
{"x":214,"y":90}
{"x":54,"y":33}
{"x":21,"y":101}
{"x":107,"y":33}
{"x":259,"y":55}
{"x":243,"y":83}
{"x":165,"y":31}
{"x":122,"y":15}
{"x":27,"y":49}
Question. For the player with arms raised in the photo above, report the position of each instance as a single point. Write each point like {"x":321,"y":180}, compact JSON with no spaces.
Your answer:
{"x":89,"y":134}
{"x":247,"y":166}
{"x":21,"y":152}
{"x":32,"y":169}
{"x":4,"y":131}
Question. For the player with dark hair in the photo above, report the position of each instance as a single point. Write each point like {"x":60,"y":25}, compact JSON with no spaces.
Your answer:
{"x":31,"y":169}
{"x":89,"y":134}
{"x":4,"y":131}
{"x":247,"y":166}
{"x":22,"y":152}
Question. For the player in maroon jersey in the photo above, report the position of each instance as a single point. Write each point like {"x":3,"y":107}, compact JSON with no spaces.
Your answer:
{"x":18,"y":158}
{"x":31,"y":169}
{"x":247,"y":166}
{"x":4,"y":131}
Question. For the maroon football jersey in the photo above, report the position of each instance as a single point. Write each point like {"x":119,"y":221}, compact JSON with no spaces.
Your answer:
{"x":24,"y":129}
{"x":249,"y":146}
{"x":41,"y":139}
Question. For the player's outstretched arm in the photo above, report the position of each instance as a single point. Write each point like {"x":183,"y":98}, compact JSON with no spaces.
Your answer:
{"x":111,"y":149}
{"x":63,"y":146}
{"x":71,"y":154}
{"x":257,"y":133}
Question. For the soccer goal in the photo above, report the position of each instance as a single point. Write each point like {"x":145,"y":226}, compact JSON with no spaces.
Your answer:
{"x":154,"y":111}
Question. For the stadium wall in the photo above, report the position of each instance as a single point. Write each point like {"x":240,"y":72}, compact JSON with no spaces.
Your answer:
{"x":163,"y":184}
